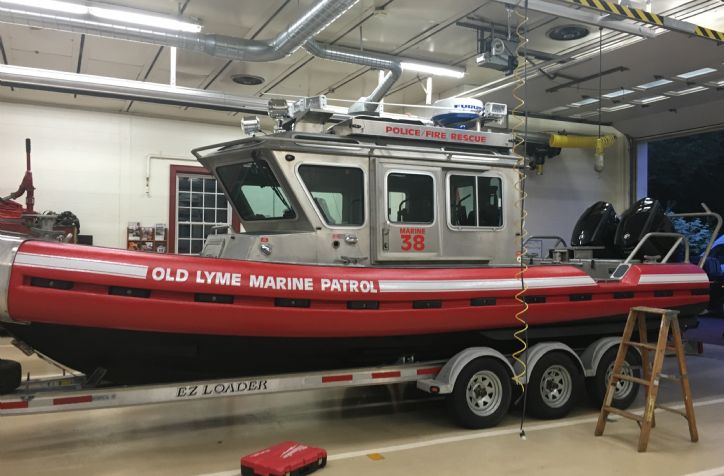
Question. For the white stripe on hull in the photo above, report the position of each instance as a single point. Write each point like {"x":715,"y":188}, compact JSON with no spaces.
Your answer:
{"x":673,"y":278}
{"x":82,"y":265}
{"x":431,"y":286}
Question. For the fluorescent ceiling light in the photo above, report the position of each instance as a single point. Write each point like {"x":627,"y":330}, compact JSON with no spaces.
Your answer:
{"x":54,"y":5}
{"x":619,"y":93}
{"x":716,"y":84}
{"x":649,"y":100}
{"x":617,"y":108}
{"x":158,"y":21}
{"x":583,"y":102}
{"x":581,"y":115}
{"x":654,"y":84}
{"x":126,"y":16}
{"x":695,"y":73}
{"x":553,"y":110}
{"x":434,"y":70}
{"x":684,"y":92}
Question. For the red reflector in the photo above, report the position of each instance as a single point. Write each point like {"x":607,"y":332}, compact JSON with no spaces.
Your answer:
{"x":337,"y":378}
{"x":71,"y":400}
{"x":13,"y":405}
{"x":392,"y":373}
{"x":429,"y":371}
{"x":434,"y":389}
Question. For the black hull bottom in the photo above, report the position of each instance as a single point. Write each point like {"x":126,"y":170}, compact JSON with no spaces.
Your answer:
{"x":130,"y":357}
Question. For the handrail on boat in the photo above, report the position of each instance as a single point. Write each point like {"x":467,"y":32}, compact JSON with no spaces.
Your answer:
{"x":679,"y":239}
{"x":558,"y":239}
{"x":714,"y":234}
{"x":371,"y":148}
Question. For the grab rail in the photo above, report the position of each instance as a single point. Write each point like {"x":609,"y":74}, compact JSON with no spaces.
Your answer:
{"x":680,"y":238}
{"x":714,"y":234}
{"x":547,"y":237}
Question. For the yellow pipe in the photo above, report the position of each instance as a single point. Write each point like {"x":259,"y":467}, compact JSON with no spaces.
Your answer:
{"x":584,"y":142}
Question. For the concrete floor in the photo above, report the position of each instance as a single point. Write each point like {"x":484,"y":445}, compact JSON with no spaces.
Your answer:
{"x":365,"y":431}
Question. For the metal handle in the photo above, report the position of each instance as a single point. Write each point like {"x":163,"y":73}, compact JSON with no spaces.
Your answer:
{"x":350,"y":239}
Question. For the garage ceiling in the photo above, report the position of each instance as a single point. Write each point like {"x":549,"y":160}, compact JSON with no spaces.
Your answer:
{"x":421,"y":29}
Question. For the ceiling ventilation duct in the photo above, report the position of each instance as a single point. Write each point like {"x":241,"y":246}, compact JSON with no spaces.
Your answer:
{"x":321,"y":15}
{"x":373,"y":60}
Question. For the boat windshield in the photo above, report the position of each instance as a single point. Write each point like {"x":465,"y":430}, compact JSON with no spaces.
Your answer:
{"x":255,"y":191}
{"x":337,"y":192}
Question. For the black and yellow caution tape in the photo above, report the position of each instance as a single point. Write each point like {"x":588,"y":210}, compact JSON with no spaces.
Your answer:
{"x":649,"y":18}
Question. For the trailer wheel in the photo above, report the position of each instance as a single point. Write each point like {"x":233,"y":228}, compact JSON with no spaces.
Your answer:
{"x":626,"y":392}
{"x":481,"y":396}
{"x":10,"y":376}
{"x":553,"y":386}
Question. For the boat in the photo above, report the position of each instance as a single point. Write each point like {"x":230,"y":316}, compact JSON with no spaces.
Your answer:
{"x":371,"y":241}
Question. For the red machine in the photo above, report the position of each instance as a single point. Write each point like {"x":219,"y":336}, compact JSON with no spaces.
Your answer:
{"x":284,"y":458}
{"x":13,"y":217}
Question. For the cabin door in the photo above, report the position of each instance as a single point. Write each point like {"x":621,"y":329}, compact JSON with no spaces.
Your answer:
{"x":407,"y":212}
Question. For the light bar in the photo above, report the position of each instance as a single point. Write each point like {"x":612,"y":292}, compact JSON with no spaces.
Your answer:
{"x":583,"y":102}
{"x":165,"y":22}
{"x":695,"y":73}
{"x":654,"y":84}
{"x":684,"y":92}
{"x":434,"y":70}
{"x":617,"y":108}
{"x":619,"y":93}
{"x":651,"y":99}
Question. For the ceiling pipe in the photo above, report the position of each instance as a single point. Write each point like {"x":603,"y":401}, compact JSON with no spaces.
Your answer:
{"x":316,"y":19}
{"x":373,"y":60}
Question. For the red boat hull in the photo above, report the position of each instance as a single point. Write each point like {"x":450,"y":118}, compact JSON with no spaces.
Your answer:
{"x":149,"y":317}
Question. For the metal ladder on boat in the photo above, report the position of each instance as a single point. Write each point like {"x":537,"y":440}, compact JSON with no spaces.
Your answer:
{"x":651,"y":373}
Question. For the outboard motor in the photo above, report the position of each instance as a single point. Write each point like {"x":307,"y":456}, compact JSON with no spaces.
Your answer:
{"x":596,"y":228}
{"x":645,"y":216}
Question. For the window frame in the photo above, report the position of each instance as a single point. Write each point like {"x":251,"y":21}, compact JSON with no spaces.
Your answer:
{"x":310,"y":198}
{"x":448,"y":217}
{"x":174,"y":172}
{"x":434,"y":198}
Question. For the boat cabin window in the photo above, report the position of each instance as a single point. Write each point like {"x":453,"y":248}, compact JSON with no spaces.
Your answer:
{"x":255,"y":191}
{"x":410,"y":198}
{"x":474,"y":201}
{"x":337,"y":192}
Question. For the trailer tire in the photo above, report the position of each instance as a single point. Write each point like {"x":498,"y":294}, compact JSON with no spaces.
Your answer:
{"x":10,"y":376}
{"x":482,"y":393}
{"x":626,"y":392}
{"x":553,"y":386}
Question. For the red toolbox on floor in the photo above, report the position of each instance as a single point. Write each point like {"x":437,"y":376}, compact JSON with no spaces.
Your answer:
{"x":289,"y":457}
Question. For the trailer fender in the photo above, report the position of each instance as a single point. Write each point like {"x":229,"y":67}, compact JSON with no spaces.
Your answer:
{"x":594,"y":352}
{"x":8,"y":249}
{"x":534,"y":354}
{"x":444,"y":381}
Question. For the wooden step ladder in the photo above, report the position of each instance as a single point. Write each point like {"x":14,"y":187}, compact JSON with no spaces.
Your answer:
{"x":651,"y":373}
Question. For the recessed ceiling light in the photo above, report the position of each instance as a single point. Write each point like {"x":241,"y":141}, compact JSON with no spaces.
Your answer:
{"x":583,"y":102}
{"x":649,"y":100}
{"x":567,"y":32}
{"x":618,"y":93}
{"x":247,"y":79}
{"x":695,"y":73}
{"x":684,"y":92}
{"x":654,"y":84}
{"x":617,"y":108}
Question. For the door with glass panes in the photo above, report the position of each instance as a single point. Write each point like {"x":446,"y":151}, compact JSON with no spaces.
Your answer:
{"x":407,"y":212}
{"x":200,"y":206}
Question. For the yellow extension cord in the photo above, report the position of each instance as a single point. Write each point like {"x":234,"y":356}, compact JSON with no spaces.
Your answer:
{"x":519,"y":121}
